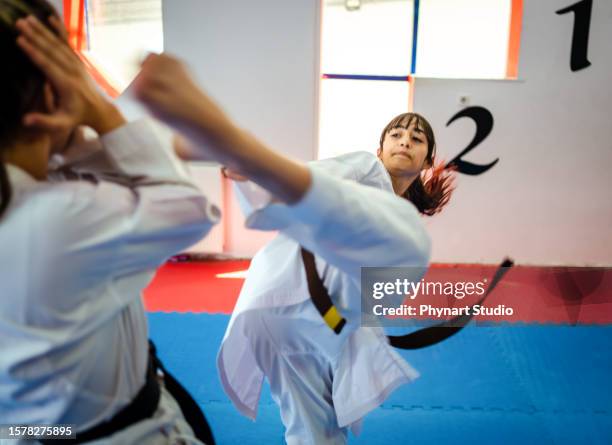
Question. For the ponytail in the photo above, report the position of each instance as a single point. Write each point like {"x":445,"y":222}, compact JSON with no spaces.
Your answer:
{"x":431,"y":192}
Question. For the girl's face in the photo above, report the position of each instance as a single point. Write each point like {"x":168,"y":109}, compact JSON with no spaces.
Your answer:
{"x":404,"y":150}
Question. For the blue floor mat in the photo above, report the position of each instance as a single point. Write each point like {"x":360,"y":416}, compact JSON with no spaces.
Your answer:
{"x":507,"y":384}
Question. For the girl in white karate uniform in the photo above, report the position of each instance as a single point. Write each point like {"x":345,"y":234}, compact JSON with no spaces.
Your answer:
{"x":76,"y":255}
{"x":325,"y":382}
{"x":353,"y":211}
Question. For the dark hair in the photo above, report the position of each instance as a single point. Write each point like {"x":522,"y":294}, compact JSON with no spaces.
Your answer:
{"x":22,"y":82}
{"x":429,"y":192}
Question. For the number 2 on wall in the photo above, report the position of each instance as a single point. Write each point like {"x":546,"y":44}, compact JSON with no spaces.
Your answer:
{"x":484,"y":124}
{"x":580,"y":36}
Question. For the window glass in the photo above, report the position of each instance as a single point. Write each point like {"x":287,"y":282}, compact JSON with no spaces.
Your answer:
{"x":376,"y":38}
{"x":120,"y":33}
{"x":463,"y":39}
{"x":354,"y":112}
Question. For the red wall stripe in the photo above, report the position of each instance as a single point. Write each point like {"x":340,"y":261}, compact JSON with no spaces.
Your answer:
{"x":514,"y":40}
{"x":74,"y":20}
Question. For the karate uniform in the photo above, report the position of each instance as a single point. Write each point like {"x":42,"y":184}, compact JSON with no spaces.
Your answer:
{"x":75,"y":257}
{"x":323,"y":382}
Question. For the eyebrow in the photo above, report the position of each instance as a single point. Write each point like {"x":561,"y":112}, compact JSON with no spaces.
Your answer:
{"x":416,"y":130}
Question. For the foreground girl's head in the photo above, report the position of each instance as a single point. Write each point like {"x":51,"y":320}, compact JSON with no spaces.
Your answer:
{"x":408,"y":151}
{"x":23,"y":84}
{"x":21,"y":81}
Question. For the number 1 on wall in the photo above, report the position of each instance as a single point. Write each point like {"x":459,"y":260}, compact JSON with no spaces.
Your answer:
{"x":580,"y":36}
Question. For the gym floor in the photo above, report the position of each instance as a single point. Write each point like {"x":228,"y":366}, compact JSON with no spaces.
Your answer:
{"x":505,"y":384}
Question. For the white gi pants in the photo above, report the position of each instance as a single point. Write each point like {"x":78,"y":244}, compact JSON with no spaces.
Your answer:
{"x":298,"y":353}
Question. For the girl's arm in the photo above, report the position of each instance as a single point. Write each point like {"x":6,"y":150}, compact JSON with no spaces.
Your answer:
{"x":348,"y":224}
{"x":166,"y":88}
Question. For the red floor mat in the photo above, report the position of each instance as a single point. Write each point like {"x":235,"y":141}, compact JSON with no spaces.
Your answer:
{"x":194,"y":287}
{"x":556,"y":295}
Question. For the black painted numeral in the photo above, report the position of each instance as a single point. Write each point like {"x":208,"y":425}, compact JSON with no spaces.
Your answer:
{"x":580,"y":37}
{"x":484,"y":124}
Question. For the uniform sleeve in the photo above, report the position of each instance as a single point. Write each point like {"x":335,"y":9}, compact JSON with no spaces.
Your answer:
{"x":351,"y":225}
{"x":110,"y":229}
{"x":362,"y":167}
{"x":88,"y":157}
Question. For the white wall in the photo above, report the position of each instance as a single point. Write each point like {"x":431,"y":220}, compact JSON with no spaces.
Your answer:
{"x":260,"y":61}
{"x":547,"y":201}
{"x":209,"y":179}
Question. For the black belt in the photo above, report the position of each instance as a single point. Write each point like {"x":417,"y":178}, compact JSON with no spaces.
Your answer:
{"x":144,"y":405}
{"x":415,"y":340}
{"x":319,"y":295}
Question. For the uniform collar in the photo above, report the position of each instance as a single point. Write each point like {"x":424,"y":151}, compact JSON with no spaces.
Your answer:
{"x":386,"y":175}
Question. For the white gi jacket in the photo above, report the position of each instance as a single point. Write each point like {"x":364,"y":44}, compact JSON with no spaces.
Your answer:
{"x":74,"y":259}
{"x":349,"y":220}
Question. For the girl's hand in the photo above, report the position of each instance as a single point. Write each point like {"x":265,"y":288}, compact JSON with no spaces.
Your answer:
{"x":77,"y":101}
{"x":166,"y":88}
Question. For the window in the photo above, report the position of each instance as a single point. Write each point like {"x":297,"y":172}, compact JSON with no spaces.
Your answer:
{"x":463,"y":39}
{"x":375,"y":39}
{"x":116,"y":36}
{"x":369,"y":48}
{"x":352,"y":113}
